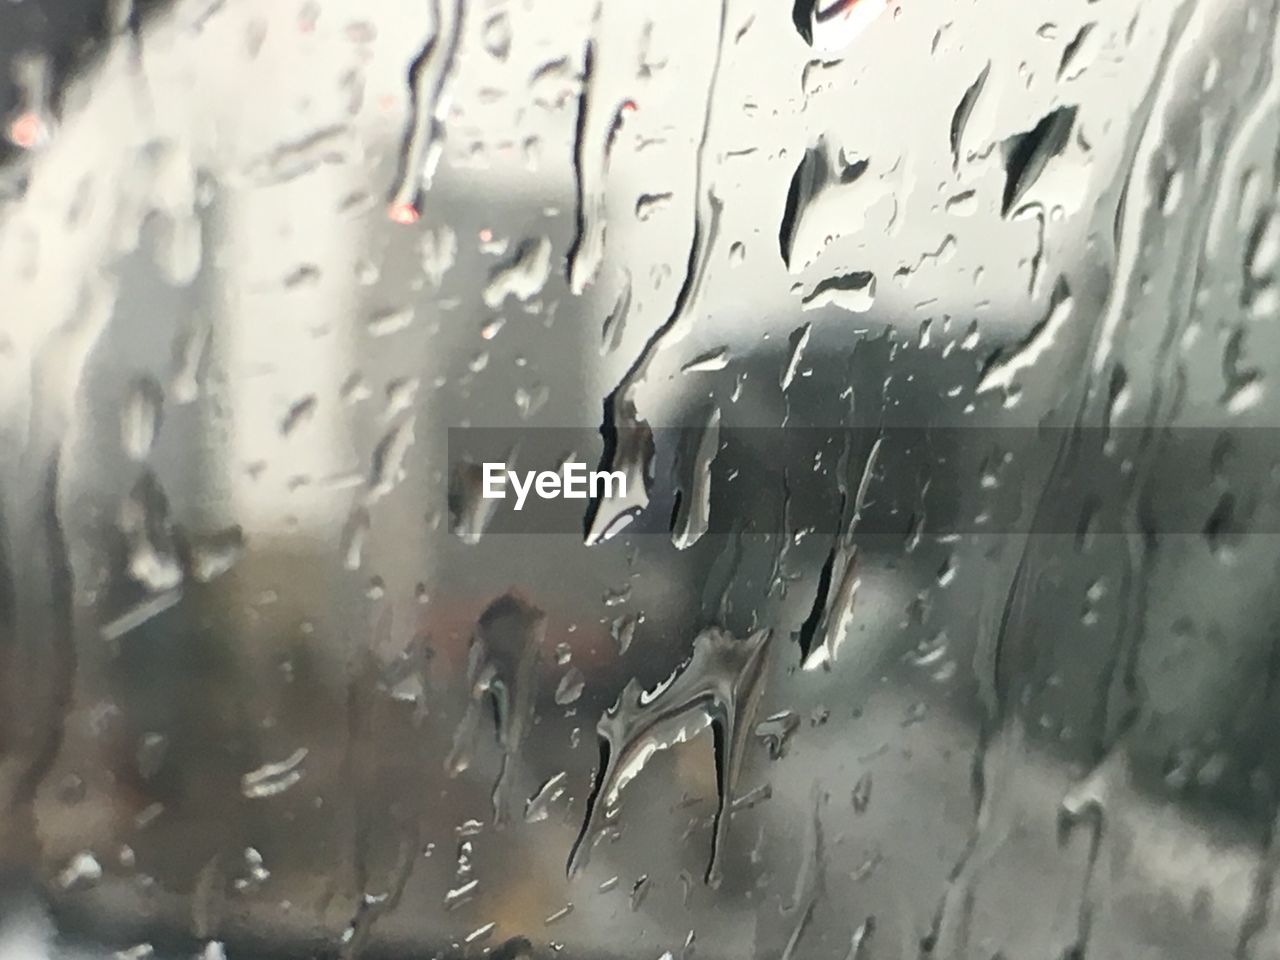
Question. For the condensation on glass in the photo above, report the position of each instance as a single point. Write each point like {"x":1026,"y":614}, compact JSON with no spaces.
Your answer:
{"x":276,"y":681}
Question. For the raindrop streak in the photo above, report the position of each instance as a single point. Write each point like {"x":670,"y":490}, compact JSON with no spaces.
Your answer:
{"x":139,"y":613}
{"x":628,"y":440}
{"x":832,"y":614}
{"x":604,"y":102}
{"x":460,"y":895}
{"x":963,"y":111}
{"x":615,"y":323}
{"x":1243,"y":384}
{"x":719,"y":685}
{"x":594,"y":136}
{"x":501,"y":675}
{"x":810,"y":883}
{"x":798,"y":340}
{"x":386,"y":468}
{"x":354,"y":533}
{"x":429,"y":78}
{"x":189,"y":351}
{"x":693,"y":514}
{"x":140,"y":418}
{"x":1004,"y":366}
{"x":439,"y":250}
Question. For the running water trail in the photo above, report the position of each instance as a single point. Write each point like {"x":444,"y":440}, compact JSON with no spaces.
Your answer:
{"x":622,"y":428}
{"x":718,"y":686}
{"x":429,"y":79}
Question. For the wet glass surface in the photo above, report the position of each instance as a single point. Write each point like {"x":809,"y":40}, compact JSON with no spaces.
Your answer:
{"x":935,"y":341}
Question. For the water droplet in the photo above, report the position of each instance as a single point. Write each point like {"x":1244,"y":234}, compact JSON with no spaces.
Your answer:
{"x":140,"y":418}
{"x":272,"y":779}
{"x":831,"y":25}
{"x":1004,"y":366}
{"x":855,"y":292}
{"x":570,"y":687}
{"x":862,"y":793}
{"x":537,"y":807}
{"x":1026,"y":155}
{"x":215,"y":553}
{"x":806,"y":219}
{"x":189,"y":352}
{"x":708,"y":362}
{"x":776,"y":731}
{"x":963,"y":204}
{"x":469,"y":510}
{"x":299,"y":412}
{"x":623,"y":630}
{"x":1077,"y":54}
{"x":460,"y":894}
{"x":387,"y":463}
{"x":615,"y":323}
{"x":523,"y":277}
{"x":496,"y":35}
{"x":144,"y":521}
{"x":439,"y":250}
{"x":83,"y":871}
{"x":650,"y":203}
{"x":256,"y":872}
{"x":531,"y":400}
{"x":383,"y":323}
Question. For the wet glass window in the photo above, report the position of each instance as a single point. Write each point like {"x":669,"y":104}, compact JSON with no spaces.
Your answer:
{"x":655,"y":480}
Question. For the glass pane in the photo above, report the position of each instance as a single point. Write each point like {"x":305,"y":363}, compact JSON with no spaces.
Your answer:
{"x":663,"y":480}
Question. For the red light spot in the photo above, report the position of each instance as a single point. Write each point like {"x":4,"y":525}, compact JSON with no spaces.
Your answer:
{"x":486,"y":235}
{"x":24,"y":131}
{"x":629,"y":106}
{"x":403,"y":213}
